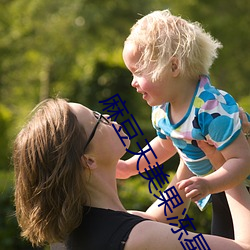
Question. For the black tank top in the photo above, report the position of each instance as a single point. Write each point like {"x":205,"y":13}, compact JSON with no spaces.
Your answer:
{"x":102,"y":229}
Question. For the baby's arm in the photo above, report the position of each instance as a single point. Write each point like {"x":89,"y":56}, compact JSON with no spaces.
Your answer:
{"x":234,"y":171}
{"x":163,"y":149}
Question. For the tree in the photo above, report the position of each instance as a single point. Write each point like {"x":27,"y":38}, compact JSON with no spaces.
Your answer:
{"x":72,"y":48}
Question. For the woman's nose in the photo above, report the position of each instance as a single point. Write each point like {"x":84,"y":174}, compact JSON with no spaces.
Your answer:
{"x":107,"y":116}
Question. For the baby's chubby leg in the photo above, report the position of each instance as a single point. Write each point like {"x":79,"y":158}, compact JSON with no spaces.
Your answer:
{"x":157,"y":212}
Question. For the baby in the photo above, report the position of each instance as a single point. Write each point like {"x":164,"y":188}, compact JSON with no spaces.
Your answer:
{"x":170,"y":59}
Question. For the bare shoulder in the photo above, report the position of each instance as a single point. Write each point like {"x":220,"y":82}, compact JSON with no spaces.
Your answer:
{"x":152,"y":235}
{"x":149,"y":235}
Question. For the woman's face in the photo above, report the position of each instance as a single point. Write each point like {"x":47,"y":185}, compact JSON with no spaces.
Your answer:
{"x":105,"y":142}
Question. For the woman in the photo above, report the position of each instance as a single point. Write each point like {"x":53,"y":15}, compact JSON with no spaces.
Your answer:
{"x":65,"y":187}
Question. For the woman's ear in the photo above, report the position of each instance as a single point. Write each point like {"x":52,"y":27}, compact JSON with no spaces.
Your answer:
{"x":175,"y":66}
{"x":90,"y":161}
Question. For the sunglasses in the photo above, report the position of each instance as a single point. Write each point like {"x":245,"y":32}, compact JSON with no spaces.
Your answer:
{"x":100,"y":118}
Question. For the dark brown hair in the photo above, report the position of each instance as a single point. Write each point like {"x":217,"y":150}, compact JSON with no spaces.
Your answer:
{"x":49,"y":180}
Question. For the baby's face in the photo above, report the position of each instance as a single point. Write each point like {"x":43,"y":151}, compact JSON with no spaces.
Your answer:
{"x":154,"y":93}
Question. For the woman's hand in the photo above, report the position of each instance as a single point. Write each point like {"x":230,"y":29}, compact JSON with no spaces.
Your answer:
{"x":245,"y":124}
{"x":215,"y":157}
{"x":198,"y":187}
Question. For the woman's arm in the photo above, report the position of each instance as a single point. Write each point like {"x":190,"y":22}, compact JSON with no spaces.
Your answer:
{"x":239,"y":203}
{"x":245,"y":124}
{"x":159,"y":236}
{"x":233,"y":171}
{"x":236,"y":167}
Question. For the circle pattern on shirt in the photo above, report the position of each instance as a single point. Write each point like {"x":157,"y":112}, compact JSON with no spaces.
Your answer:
{"x":226,"y":125}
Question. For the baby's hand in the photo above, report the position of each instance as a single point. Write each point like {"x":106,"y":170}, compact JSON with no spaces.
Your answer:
{"x":194,"y":187}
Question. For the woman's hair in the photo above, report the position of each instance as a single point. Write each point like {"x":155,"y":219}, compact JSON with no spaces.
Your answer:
{"x":49,"y":180}
{"x":160,"y":36}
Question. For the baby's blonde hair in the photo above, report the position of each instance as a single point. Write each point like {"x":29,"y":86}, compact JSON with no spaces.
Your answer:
{"x":161,"y":36}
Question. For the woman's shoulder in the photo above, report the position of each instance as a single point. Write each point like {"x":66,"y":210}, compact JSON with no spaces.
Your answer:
{"x":152,"y":235}
{"x":110,"y":227}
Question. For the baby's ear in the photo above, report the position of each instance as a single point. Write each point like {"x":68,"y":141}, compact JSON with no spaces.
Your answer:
{"x":175,"y":66}
{"x":90,"y":161}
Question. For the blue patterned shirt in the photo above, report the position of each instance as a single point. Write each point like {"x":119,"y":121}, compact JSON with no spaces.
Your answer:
{"x":213,"y":115}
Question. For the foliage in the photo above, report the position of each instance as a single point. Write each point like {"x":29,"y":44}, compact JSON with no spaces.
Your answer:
{"x":73,"y":49}
{"x":5,"y":123}
{"x":230,"y":71}
{"x":245,"y":103}
{"x":9,"y":231}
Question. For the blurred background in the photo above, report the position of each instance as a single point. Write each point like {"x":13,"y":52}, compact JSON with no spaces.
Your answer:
{"x":72,"y":48}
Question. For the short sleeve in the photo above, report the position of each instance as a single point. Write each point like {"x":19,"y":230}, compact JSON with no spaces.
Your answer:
{"x":159,"y":121}
{"x":219,"y":120}
{"x":162,"y":136}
